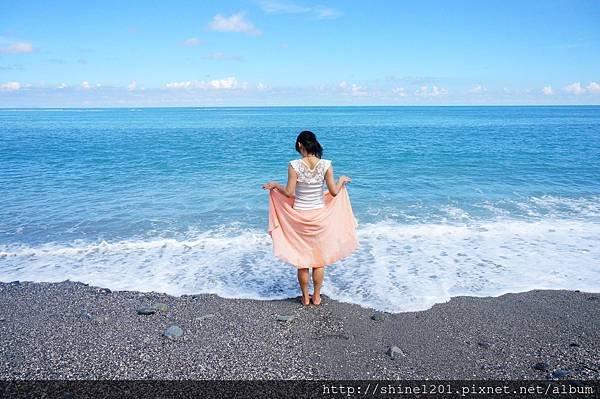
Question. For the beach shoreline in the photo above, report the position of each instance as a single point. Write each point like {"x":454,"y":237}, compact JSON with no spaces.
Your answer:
{"x":70,"y":330}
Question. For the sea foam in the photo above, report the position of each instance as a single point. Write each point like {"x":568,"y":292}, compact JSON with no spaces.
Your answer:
{"x":396,"y":267}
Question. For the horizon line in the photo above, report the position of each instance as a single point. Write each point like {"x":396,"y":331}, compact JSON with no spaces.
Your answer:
{"x":311,"y":106}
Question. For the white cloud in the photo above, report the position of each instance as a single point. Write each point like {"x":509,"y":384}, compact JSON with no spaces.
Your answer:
{"x":477,"y":89}
{"x":574,"y":88}
{"x":357,"y":90}
{"x":227,"y":83}
{"x":548,"y":90}
{"x":192,"y":42}
{"x":10,"y":86}
{"x":217,"y":84}
{"x":321,"y":12}
{"x":182,"y":85}
{"x":399,"y":91}
{"x":593,"y":87}
{"x":577,"y":88}
{"x":352,"y":89}
{"x":286,"y":7}
{"x":62,"y":86}
{"x":132,"y":86}
{"x":262,"y":87}
{"x":234,"y":23}
{"x":86,"y":85}
{"x":16,"y":48}
{"x":434,"y":92}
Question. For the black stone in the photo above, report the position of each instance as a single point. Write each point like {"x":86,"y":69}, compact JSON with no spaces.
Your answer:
{"x":146,"y":311}
{"x":378,"y":316}
{"x":560,"y":373}
{"x":542,"y":366}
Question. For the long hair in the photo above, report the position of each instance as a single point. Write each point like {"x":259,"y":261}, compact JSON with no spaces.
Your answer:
{"x":310,"y":143}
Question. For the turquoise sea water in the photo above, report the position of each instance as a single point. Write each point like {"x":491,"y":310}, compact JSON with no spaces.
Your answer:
{"x":450,"y":200}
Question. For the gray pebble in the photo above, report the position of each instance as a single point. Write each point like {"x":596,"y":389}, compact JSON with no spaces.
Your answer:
{"x":84,"y":314}
{"x":101,"y":319}
{"x":394,"y":351}
{"x":173,"y":332}
{"x":161,"y":307}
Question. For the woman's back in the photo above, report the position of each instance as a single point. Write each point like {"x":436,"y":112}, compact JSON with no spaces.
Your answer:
{"x":309,"y":185}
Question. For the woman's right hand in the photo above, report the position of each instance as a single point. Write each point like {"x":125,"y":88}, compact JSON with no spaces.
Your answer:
{"x":344,"y":180}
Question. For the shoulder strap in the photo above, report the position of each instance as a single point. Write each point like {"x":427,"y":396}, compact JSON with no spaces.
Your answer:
{"x":294,"y":163}
{"x":325,"y":163}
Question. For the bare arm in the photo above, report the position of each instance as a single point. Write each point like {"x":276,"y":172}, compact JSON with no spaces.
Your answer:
{"x":290,"y":189}
{"x":334,"y":188}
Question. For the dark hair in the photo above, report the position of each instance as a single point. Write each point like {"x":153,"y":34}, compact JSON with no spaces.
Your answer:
{"x":310,"y":143}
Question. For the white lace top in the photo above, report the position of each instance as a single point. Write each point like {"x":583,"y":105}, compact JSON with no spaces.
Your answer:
{"x":309,"y":186}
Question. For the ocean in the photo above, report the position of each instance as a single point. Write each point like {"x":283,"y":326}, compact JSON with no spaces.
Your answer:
{"x":450,"y":201}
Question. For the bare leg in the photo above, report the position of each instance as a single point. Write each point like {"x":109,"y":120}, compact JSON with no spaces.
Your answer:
{"x":317,"y":275}
{"x":303,"y":279}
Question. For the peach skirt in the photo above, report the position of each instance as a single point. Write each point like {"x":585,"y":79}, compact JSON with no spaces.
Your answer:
{"x":312,"y":237}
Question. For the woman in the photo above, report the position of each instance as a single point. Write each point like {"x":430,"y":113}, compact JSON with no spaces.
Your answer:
{"x":310,"y":228}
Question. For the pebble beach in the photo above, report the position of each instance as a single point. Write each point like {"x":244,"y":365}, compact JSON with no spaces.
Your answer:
{"x":70,"y":330}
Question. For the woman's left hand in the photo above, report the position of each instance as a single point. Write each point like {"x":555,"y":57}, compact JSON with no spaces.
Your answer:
{"x":270,"y":185}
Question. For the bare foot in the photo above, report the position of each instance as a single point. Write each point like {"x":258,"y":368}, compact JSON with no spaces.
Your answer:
{"x":305,"y":300}
{"x":316,"y":299}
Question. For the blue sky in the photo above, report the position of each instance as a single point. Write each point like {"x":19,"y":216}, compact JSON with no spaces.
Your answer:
{"x":271,"y":52}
